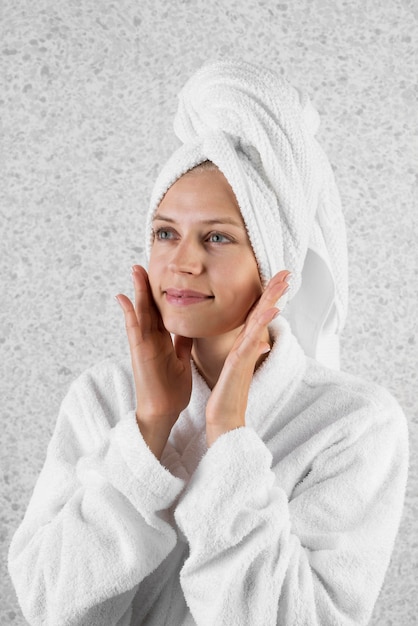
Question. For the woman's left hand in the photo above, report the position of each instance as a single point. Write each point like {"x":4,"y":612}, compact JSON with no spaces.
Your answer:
{"x":227,"y":404}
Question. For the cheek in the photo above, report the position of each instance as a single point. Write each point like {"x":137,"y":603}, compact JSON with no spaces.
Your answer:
{"x":247,"y":271}
{"x":249,"y":294}
{"x":242,"y":279}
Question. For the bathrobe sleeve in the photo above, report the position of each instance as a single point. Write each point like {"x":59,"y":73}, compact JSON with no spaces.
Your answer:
{"x":95,"y":526}
{"x":317,"y":556}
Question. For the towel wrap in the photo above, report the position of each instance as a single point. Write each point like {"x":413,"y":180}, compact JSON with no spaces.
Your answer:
{"x":260,"y":131}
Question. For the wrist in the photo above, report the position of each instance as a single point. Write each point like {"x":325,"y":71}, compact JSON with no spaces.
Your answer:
{"x":155,"y":437}
{"x":213,"y":430}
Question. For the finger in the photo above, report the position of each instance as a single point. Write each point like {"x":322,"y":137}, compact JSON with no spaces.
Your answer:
{"x":250,"y":344}
{"x":264,"y":319}
{"x":277,"y":285}
{"x":254,"y":333}
{"x":147,"y":313}
{"x":280,"y":276}
{"x":126,"y":305}
{"x":274,"y":291}
{"x":139,"y":278}
{"x":133,"y":329}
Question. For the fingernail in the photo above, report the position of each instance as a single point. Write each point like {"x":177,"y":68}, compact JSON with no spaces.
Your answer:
{"x":276,"y":314}
{"x":117,"y":300}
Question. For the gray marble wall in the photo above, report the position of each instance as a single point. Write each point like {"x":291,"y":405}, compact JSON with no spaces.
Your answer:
{"x":87,"y":97}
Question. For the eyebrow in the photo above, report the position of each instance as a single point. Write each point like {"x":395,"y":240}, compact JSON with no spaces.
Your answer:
{"x":216,"y":220}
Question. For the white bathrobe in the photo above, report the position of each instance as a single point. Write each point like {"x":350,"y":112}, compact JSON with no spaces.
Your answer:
{"x":290,"y":520}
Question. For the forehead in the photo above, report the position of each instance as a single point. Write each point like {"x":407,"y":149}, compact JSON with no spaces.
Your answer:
{"x":201,"y":193}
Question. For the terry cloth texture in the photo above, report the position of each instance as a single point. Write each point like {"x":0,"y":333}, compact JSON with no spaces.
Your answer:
{"x":289,"y":520}
{"x":260,"y":132}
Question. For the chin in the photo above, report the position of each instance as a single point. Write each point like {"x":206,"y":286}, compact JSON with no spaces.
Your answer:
{"x":188,"y":328}
{"x":181,"y":328}
{"x":190,"y":332}
{"x":198,"y":329}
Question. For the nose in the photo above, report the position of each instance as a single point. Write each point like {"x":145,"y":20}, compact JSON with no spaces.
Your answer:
{"x":186,"y":258}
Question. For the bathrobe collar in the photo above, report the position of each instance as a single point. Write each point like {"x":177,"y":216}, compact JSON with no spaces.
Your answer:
{"x":273,"y":384}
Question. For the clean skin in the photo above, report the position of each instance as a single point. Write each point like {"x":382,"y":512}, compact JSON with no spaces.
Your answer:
{"x":201,"y":244}
{"x":203,"y":287}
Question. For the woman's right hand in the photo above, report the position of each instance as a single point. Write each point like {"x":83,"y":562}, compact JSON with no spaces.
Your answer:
{"x":162,"y":371}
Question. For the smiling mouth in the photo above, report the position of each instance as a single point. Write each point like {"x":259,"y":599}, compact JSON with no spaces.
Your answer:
{"x":184,"y":297}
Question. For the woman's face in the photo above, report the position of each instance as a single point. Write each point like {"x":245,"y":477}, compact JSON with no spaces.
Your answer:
{"x":202,"y":270}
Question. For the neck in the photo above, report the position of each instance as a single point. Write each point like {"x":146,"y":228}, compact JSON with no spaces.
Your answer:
{"x":209,"y":354}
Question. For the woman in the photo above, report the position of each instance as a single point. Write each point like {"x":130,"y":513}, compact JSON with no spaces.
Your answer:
{"x":226,"y":475}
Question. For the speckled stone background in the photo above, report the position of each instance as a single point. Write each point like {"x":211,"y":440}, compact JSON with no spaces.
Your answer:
{"x":87,"y":99}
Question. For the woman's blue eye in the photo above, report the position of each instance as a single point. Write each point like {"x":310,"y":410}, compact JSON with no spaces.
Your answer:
{"x":218,"y":238}
{"x":162,"y":233}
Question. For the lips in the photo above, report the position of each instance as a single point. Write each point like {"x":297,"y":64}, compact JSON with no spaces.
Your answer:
{"x":184,"y":297}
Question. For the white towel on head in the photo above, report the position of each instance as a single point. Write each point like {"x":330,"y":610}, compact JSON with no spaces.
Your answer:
{"x":260,"y":132}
